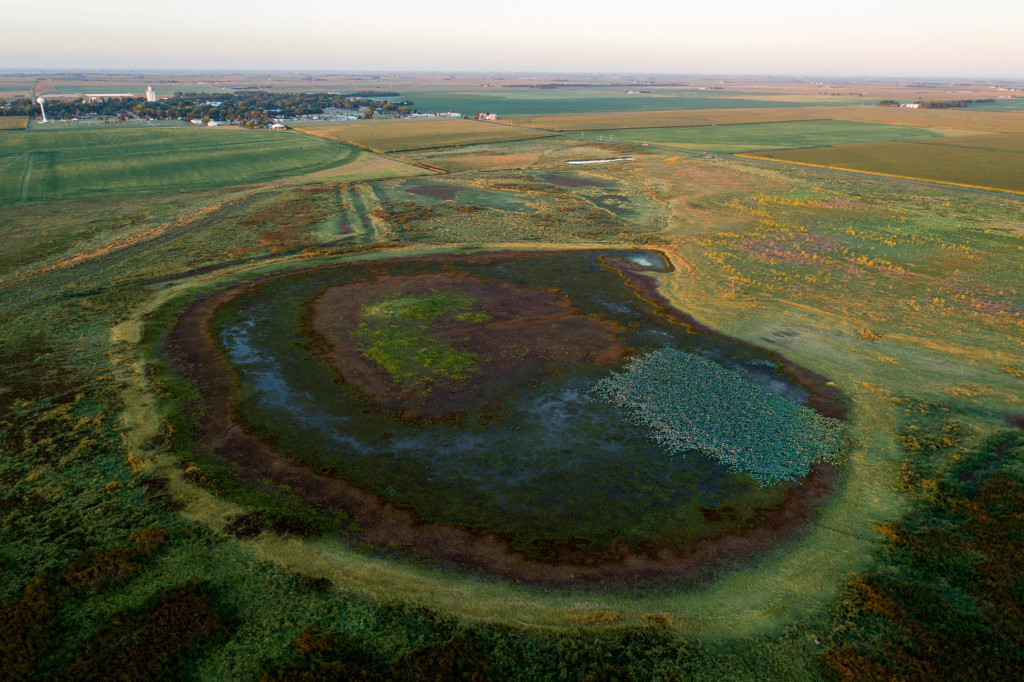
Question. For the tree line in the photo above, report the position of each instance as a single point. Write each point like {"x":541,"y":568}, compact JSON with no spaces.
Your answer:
{"x":243,"y":106}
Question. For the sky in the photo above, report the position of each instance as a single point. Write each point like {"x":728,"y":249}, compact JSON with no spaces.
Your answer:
{"x":984,"y":38}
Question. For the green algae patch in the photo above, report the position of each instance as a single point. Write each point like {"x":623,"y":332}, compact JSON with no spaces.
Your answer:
{"x":397,"y":334}
{"x":691,"y":403}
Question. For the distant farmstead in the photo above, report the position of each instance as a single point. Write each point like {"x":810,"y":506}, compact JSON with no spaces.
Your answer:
{"x":487,"y":117}
{"x":100,"y":96}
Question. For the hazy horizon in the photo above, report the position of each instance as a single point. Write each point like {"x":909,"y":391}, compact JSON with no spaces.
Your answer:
{"x":793,"y":38}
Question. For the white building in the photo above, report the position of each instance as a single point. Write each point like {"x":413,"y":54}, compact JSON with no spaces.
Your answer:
{"x":150,"y":94}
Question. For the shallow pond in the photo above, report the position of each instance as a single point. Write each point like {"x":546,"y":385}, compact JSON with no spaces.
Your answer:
{"x":549,"y":461}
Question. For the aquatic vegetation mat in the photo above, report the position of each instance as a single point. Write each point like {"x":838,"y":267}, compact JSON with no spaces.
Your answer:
{"x":691,"y":403}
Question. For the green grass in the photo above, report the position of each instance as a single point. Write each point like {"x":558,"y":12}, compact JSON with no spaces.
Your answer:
{"x":761,"y":136}
{"x":53,"y":164}
{"x":396,"y":334}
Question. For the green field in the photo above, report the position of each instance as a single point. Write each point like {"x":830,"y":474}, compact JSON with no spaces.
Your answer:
{"x":950,"y":119}
{"x":1001,"y":105}
{"x":55,"y":164}
{"x":984,"y":161}
{"x":530,"y":101}
{"x":762,"y":136}
{"x":393,"y":135}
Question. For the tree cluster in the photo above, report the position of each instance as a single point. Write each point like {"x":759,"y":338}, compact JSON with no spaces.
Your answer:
{"x":243,"y":106}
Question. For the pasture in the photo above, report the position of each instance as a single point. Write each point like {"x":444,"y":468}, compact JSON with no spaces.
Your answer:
{"x":55,"y":164}
{"x":395,"y":135}
{"x":763,"y":136}
{"x":979,"y":161}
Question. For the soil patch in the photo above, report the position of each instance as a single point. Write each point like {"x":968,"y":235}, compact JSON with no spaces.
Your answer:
{"x":1014,"y":420}
{"x":530,"y":332}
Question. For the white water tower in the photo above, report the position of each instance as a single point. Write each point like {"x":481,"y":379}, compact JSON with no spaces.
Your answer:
{"x":41,"y":101}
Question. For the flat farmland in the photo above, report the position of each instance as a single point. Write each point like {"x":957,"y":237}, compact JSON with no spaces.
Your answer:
{"x":962,"y":119}
{"x":581,"y":100}
{"x":981,"y":161}
{"x":391,"y":135}
{"x":13,"y":122}
{"x":766,"y":136}
{"x":669,"y":119}
{"x":62,"y":164}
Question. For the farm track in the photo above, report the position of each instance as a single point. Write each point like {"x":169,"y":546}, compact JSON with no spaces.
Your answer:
{"x":25,"y":177}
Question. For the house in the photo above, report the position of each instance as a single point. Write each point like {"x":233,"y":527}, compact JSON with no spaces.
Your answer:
{"x":214,"y":124}
{"x":278,"y":126}
{"x":487,"y":117}
{"x":910,"y":105}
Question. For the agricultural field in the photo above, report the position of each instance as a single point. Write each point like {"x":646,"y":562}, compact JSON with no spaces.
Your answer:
{"x":409,"y":134}
{"x":55,"y":164}
{"x":763,"y":136}
{"x":13,"y":122}
{"x":512,"y":101}
{"x":958,"y":119}
{"x":980,"y":161}
{"x":290,"y":410}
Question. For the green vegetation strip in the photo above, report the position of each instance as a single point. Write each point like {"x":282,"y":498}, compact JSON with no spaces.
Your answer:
{"x":74,"y":163}
{"x":762,"y":136}
{"x":396,"y":334}
{"x":691,"y":403}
